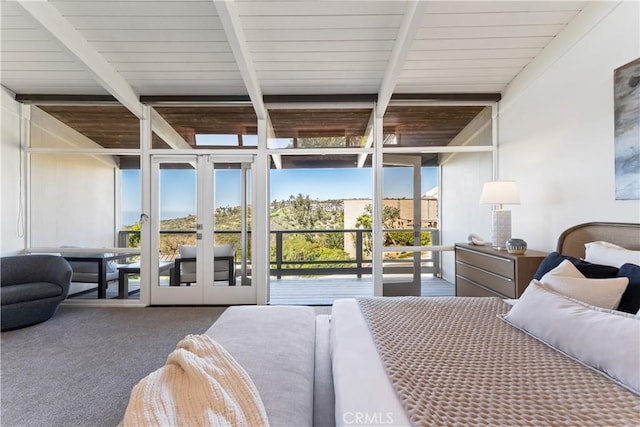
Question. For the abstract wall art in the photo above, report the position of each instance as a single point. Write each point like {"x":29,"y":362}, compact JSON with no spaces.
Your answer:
{"x":627,"y":130}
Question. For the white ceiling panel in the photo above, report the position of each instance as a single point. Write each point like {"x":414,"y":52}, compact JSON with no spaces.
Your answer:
{"x":454,"y":64}
{"x":93,"y":22}
{"x":284,"y":47}
{"x":477,"y":46}
{"x":345,"y":44}
{"x":498,"y":18}
{"x":161,"y":57}
{"x":439,"y":7}
{"x":119,"y":9}
{"x":505,"y":31}
{"x":458,"y":72}
{"x":162,"y":41}
{"x":319,"y":8}
{"x":32,"y":62}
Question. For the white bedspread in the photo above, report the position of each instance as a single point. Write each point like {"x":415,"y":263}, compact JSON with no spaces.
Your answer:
{"x":200,"y":385}
{"x":364,"y":395}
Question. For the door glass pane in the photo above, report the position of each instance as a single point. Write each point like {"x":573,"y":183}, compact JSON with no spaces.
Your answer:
{"x":232,"y":224}
{"x":178,"y":223}
{"x":409,"y":218}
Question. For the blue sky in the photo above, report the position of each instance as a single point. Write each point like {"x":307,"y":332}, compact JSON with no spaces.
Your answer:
{"x":178,"y":187}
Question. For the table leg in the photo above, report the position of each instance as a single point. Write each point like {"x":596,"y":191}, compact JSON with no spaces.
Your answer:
{"x":102,"y":279}
{"x":123,"y":285}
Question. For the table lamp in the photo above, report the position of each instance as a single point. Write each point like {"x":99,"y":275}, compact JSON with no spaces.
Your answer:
{"x":500,"y":193}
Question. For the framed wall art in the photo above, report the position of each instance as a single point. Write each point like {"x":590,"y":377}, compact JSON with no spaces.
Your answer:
{"x":627,"y":130}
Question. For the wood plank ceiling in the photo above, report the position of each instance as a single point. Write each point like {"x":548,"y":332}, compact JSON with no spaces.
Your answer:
{"x":249,"y":49}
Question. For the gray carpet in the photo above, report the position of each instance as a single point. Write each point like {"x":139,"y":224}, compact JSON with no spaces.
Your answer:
{"x":78,"y":368}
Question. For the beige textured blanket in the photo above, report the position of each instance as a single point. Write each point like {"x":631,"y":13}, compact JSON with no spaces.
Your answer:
{"x":200,"y":385}
{"x":453,"y":362}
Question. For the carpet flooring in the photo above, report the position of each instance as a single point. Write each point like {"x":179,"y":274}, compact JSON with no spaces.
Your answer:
{"x":78,"y":368}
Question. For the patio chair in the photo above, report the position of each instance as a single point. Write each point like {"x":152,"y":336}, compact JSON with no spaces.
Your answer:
{"x":223,"y":266}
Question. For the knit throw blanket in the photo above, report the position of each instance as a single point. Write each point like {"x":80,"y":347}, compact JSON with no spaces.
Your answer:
{"x":200,"y":385}
{"x":453,"y":362}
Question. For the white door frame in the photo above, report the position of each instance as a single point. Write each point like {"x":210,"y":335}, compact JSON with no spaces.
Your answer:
{"x":414,"y":286}
{"x":198,"y":293}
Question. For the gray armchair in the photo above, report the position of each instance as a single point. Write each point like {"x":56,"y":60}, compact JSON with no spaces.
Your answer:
{"x":223,"y":266}
{"x":32,"y":287}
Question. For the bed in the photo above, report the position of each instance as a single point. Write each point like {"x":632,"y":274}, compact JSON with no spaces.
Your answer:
{"x":402,"y":361}
{"x":456,"y":361}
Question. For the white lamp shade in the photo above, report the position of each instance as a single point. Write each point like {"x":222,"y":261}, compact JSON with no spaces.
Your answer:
{"x":500,"y":193}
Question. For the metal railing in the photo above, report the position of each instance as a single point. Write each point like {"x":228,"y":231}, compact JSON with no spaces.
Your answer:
{"x":358,"y":262}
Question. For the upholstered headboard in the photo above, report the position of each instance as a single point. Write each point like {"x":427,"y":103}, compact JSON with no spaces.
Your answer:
{"x":571,"y":241}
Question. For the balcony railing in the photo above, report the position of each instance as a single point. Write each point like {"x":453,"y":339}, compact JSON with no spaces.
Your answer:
{"x":358,"y":263}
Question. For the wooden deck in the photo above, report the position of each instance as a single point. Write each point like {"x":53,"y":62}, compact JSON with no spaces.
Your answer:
{"x":297,"y":290}
{"x":322,"y":291}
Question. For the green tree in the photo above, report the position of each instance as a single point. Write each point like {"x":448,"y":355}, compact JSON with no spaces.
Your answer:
{"x":391,"y":217}
{"x":134,"y":238}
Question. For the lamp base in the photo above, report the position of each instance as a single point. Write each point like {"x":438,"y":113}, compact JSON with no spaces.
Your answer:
{"x":500,"y":228}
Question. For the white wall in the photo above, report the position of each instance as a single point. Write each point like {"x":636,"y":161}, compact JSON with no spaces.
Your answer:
{"x":462,"y":177}
{"x":72,"y":196}
{"x":11,"y":233}
{"x":556,"y":127}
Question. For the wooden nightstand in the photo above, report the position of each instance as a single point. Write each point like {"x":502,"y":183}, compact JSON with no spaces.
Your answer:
{"x":482,"y":271}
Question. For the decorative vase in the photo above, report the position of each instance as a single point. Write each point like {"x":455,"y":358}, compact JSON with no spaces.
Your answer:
{"x":516,"y":246}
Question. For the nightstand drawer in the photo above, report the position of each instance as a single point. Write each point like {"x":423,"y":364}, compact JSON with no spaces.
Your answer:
{"x":464,"y":288}
{"x":494,"y":282}
{"x":500,"y":266}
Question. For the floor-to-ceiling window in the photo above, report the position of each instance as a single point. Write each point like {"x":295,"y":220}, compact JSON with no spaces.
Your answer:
{"x":75,"y":159}
{"x":320,"y":184}
{"x":323,"y":206}
{"x":423,"y":142}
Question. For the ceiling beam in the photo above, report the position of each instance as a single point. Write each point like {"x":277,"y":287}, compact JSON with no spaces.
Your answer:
{"x":408,"y":29}
{"x":230,"y":19}
{"x":57,"y":26}
{"x":368,"y":133}
{"x":102,"y":71}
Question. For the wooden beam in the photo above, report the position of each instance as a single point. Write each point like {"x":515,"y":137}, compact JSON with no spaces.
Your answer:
{"x":102,"y":71}
{"x":46,"y":99}
{"x":164,"y":130}
{"x":193,"y":99}
{"x":230,"y":19}
{"x":408,"y":29}
{"x":329,"y":98}
{"x":482,"y":97}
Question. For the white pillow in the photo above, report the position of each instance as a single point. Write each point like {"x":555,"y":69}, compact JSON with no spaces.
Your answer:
{"x":605,"y":340}
{"x":567,"y":280}
{"x":606,"y":253}
{"x":187,"y":251}
{"x":564,"y":269}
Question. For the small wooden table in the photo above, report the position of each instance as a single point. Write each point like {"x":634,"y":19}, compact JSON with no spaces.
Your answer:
{"x":134,"y":268}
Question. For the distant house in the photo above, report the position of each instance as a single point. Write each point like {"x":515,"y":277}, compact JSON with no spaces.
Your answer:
{"x":354,"y":208}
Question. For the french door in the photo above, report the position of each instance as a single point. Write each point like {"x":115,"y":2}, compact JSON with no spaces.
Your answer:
{"x":201,"y":229}
{"x":402,"y":230}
